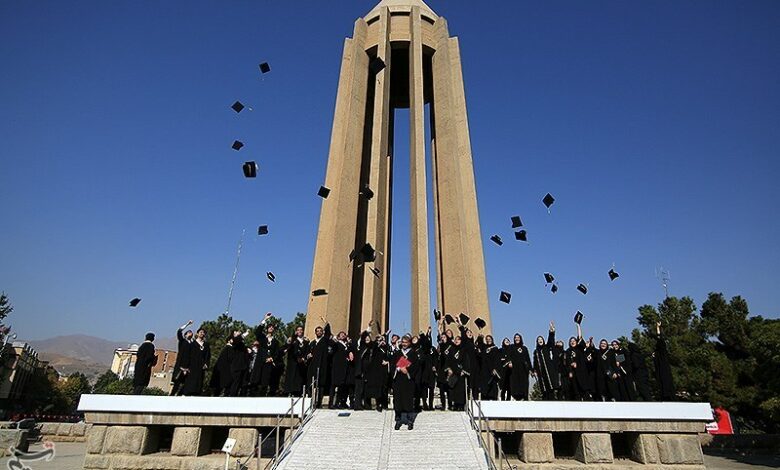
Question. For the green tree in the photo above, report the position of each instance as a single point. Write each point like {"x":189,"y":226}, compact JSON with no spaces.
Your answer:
{"x":43,"y":395}
{"x":5,"y":306}
{"x":72,"y":389}
{"x":217,"y":332}
{"x":103,"y":381}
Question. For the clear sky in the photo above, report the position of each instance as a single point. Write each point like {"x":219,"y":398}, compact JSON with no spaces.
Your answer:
{"x":655,"y":124}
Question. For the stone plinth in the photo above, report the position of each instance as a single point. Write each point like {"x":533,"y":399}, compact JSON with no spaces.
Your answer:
{"x":536,"y":447}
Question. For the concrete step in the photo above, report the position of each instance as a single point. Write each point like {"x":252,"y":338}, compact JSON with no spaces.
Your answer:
{"x":366,"y":440}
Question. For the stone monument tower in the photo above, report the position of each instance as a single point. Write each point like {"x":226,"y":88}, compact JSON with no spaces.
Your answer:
{"x":400,"y":56}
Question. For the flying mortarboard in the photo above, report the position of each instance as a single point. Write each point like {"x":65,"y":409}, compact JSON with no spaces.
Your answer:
{"x":463,"y":318}
{"x":549,"y":278}
{"x":582,"y":288}
{"x":376,"y":271}
{"x":368,"y":252}
{"x":135,"y":302}
{"x":367,"y":193}
{"x":480,"y":323}
{"x":271,"y":277}
{"x":554,"y":288}
{"x":448,"y":319}
{"x":238,"y":107}
{"x":323,"y":192}
{"x":376,"y":65}
{"x":250,"y":169}
{"x":319,"y":292}
{"x":265,"y":68}
{"x":578,"y":317}
{"x":262,"y":230}
{"x":516,"y":222}
{"x":505,"y":297}
{"x":521,"y":235}
{"x":436,"y":315}
{"x":497,"y":240}
{"x":237,"y":144}
{"x":613,"y":274}
{"x":548,"y":201}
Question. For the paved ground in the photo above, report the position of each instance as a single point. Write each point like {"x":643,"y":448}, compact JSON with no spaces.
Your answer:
{"x":70,"y":456}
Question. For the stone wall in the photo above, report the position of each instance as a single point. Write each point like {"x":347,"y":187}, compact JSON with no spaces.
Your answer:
{"x":64,"y":432}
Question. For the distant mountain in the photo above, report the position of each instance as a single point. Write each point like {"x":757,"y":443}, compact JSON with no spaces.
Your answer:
{"x":67,"y":365}
{"x":86,"y":351}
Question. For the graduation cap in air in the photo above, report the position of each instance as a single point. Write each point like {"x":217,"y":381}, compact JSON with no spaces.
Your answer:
{"x":463,"y":318}
{"x":262,"y":230}
{"x":613,"y":274}
{"x":548,"y":201}
{"x":271,"y":277}
{"x":368,"y":252}
{"x":367,"y":193}
{"x":448,"y":319}
{"x":516,"y":222}
{"x":436,"y":315}
{"x":578,"y":317}
{"x":376,"y":271}
{"x":549,"y":278}
{"x":582,"y":288}
{"x":135,"y":302}
{"x":250,"y":169}
{"x":376,"y":65}
{"x":521,"y":235}
{"x":237,"y":144}
{"x":265,"y":68}
{"x":319,"y":292}
{"x":238,"y":107}
{"x":497,"y":240}
{"x":554,"y":288}
{"x":323,"y":192}
{"x":480,"y":323}
{"x":505,"y":297}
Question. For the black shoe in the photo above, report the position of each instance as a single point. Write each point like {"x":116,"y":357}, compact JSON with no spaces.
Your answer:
{"x":397,"y":425}
{"x":410,"y":426}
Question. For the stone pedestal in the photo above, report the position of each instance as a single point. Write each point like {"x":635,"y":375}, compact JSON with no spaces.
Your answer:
{"x":594,"y":448}
{"x":679,"y":449}
{"x":644,"y":449}
{"x":536,"y":447}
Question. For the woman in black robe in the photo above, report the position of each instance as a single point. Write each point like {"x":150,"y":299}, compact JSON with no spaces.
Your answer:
{"x":362,"y":361}
{"x":519,"y":362}
{"x":426,"y":371}
{"x":441,"y":377}
{"x":639,"y":372}
{"x":376,"y":385}
{"x":454,"y":366}
{"x":623,"y":374}
{"x":295,"y":356}
{"x":663,"y":368}
{"x":338,"y":371}
{"x":576,"y":368}
{"x":491,"y":368}
{"x":590,"y":360}
{"x":195,"y":364}
{"x":506,"y":371}
{"x":606,"y":389}
{"x":405,"y":363}
{"x":545,"y":365}
{"x":471,"y":361}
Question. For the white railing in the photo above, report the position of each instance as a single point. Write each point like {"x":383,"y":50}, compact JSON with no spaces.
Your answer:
{"x":494,"y":451}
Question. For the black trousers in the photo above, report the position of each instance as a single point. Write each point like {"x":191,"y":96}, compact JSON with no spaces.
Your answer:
{"x":403,"y":417}
{"x":138,"y":389}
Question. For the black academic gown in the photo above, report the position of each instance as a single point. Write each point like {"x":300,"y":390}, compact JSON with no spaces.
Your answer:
{"x":606,"y":389}
{"x":339,"y":364}
{"x":576,"y":370}
{"x":181,"y":352}
{"x":195,"y":361}
{"x":640,"y":373}
{"x":144,"y":361}
{"x":221,"y":378}
{"x":546,"y":366}
{"x":239,"y":365}
{"x":403,"y":384}
{"x":376,"y":383}
{"x":490,"y":371}
{"x":506,"y":374}
{"x":455,"y":363}
{"x":663,"y":370}
{"x":625,"y":380}
{"x":295,"y":371}
{"x":520,"y":360}
{"x":471,"y":363}
{"x":318,"y":359}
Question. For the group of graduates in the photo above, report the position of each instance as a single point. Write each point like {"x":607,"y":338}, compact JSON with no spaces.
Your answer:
{"x":361,"y":373}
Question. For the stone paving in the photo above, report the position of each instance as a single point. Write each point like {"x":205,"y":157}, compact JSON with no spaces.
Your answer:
{"x":367,"y":440}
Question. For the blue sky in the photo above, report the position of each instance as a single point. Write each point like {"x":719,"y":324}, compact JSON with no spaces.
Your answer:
{"x":655,"y":124}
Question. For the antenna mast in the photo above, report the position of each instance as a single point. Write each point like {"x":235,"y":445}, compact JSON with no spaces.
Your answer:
{"x":663,"y":275}
{"x":235,"y":272}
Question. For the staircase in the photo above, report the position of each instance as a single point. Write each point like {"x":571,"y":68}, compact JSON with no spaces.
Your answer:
{"x":361,"y":440}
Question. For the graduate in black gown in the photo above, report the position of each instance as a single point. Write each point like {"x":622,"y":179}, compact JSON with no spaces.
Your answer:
{"x":606,"y":387}
{"x":145,"y":359}
{"x":471,"y":361}
{"x":378,"y":373}
{"x":404,"y":363}
{"x":184,"y":339}
{"x":591,"y":354}
{"x":239,"y":364}
{"x":317,"y":358}
{"x":221,"y":377}
{"x":363,"y":359}
{"x":441,"y":377}
{"x":640,"y":373}
{"x":295,"y":371}
{"x":576,"y":368}
{"x":545,"y":365}
{"x":491,"y":367}
{"x":622,"y":374}
{"x":519,"y":363}
{"x":339,"y":371}
{"x":663,"y":368}
{"x":426,"y":372}
{"x":195,"y":364}
{"x":267,"y":357}
{"x":455,"y":367}
{"x":504,"y":384}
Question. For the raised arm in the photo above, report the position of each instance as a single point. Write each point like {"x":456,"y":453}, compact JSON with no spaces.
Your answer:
{"x":179,"y":334}
{"x":551,"y":335}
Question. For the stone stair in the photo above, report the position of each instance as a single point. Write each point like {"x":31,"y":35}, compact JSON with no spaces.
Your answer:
{"x":361,"y":440}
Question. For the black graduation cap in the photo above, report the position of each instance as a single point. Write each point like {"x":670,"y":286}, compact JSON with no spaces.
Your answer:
{"x":135,"y":302}
{"x":271,"y":277}
{"x":323,"y":192}
{"x":582,"y":288}
{"x":368,"y":252}
{"x":237,"y":144}
{"x":319,"y":292}
{"x":262,"y":230}
{"x":497,"y":240}
{"x":376,"y":65}
{"x":505,"y":297}
{"x":448,"y":319}
{"x":463,"y":318}
{"x":521,"y":235}
{"x":613,"y":274}
{"x":436,"y":315}
{"x":578,"y":317}
{"x":480,"y":323}
{"x":554,"y":288}
{"x":265,"y":68}
{"x":250,"y":169}
{"x":549,"y":278}
{"x":367,"y":193}
{"x":238,"y":107}
{"x":548,"y":200}
{"x":376,"y":271}
{"x":516,"y":222}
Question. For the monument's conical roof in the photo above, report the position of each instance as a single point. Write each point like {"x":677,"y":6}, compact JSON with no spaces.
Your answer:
{"x":402,"y":4}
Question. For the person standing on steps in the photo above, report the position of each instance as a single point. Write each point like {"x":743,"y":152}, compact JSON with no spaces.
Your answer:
{"x":405,"y":362}
{"x":178,"y":377}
